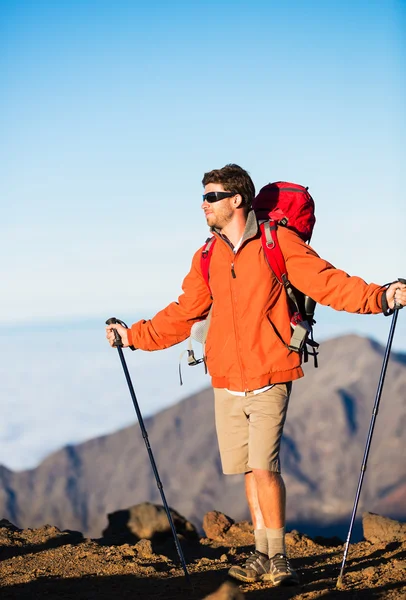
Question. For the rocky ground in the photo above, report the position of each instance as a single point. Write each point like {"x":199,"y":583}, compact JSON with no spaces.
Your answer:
{"x":48,"y":563}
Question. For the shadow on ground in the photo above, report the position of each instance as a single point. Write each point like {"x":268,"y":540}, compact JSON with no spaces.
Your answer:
{"x":122,"y":586}
{"x":71,"y":537}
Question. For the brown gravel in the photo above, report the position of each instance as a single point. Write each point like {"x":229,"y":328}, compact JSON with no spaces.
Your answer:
{"x":47,"y":563}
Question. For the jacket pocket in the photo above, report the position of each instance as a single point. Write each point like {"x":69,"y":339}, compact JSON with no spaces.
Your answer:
{"x":276,"y":335}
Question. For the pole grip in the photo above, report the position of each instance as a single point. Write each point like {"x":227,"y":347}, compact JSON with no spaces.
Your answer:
{"x":118,"y":342}
{"x":397,"y":306}
{"x":112,"y":321}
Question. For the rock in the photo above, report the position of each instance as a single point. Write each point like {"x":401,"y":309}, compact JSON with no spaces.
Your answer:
{"x":147,"y":521}
{"x":128,"y":549}
{"x":8,"y":525}
{"x":215,"y":524}
{"x":295,"y":538}
{"x":144,"y":549}
{"x":399,"y":564}
{"x":50,"y":532}
{"x":228,"y":591}
{"x":379,"y":529}
{"x":240,"y":534}
{"x":203,"y":561}
{"x":218,"y":527}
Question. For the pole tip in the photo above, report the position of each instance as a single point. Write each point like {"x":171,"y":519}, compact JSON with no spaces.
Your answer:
{"x":339,"y":584}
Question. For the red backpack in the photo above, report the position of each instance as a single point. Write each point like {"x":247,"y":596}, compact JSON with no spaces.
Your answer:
{"x":287,"y":205}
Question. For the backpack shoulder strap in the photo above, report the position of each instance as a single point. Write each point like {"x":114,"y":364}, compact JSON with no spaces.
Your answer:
{"x":206,"y":257}
{"x":274,"y":257}
{"x":272,"y":250}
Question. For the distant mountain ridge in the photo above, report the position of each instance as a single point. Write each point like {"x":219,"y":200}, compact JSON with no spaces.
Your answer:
{"x":322,"y":449}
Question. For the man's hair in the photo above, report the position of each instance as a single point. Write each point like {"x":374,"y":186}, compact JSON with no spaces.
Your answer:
{"x":234,"y":179}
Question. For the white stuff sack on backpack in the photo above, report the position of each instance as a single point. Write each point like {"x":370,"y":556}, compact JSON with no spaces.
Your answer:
{"x":198,"y":332}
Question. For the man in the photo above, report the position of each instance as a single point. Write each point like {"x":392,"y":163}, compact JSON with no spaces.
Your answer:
{"x":247,"y":356}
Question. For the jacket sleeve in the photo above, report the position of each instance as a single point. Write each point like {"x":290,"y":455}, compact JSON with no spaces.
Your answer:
{"x":320,"y":280}
{"x":172,"y":324}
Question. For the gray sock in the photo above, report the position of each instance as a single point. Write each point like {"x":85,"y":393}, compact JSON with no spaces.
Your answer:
{"x":261,"y":541}
{"x":276,"y":541}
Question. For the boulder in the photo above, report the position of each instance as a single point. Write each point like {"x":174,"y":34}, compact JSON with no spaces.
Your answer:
{"x":147,"y":521}
{"x":299,"y":540}
{"x":216,"y":524}
{"x":4,"y":523}
{"x":240,"y":534}
{"x":379,"y":529}
{"x":220,"y":528}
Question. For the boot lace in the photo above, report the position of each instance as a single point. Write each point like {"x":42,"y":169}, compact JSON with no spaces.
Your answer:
{"x":255,"y":561}
{"x":280,"y":563}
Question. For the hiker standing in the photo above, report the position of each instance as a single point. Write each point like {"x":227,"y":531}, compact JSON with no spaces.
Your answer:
{"x":247,"y":349}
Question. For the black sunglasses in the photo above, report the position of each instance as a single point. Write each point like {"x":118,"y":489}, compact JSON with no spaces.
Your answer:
{"x":216,"y":196}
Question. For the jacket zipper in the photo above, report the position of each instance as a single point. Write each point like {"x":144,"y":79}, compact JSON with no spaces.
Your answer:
{"x":233,"y":275}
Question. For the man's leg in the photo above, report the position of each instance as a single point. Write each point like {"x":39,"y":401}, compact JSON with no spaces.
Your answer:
{"x":266,"y":496}
{"x":250,"y":428}
{"x":261,"y":541}
{"x":232,"y":424}
{"x":257,"y":563}
{"x":265,"y":488}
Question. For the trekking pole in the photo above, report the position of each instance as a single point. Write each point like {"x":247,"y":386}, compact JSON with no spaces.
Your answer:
{"x":397,"y":307}
{"x":118,"y":344}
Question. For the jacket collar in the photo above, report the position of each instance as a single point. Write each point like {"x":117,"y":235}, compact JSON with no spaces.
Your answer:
{"x":250,"y":231}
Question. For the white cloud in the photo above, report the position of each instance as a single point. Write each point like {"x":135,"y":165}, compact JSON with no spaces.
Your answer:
{"x":61,"y":383}
{"x":60,"y":387}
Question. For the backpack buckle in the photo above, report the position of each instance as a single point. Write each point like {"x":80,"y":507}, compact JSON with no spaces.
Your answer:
{"x":299,"y":336}
{"x":192,"y":360}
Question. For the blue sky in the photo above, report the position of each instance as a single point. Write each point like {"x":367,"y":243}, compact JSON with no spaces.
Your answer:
{"x":110,"y":113}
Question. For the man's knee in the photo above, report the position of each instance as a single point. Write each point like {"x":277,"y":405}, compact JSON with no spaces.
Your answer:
{"x":266,"y":475}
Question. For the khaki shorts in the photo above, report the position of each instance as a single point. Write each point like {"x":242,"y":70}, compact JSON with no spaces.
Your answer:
{"x":249,"y":428}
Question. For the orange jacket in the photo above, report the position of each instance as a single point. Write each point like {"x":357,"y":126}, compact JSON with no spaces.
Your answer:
{"x":250,"y":324}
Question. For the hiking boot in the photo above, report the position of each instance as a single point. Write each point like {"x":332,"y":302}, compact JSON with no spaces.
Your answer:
{"x":280,"y":572}
{"x":253,"y":569}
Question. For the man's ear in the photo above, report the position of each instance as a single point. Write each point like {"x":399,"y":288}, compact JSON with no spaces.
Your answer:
{"x":238,"y":201}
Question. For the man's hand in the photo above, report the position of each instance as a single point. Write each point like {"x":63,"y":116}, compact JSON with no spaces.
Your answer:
{"x":122,"y":331}
{"x":396,"y":292}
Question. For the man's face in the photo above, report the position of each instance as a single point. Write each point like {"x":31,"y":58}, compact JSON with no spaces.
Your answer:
{"x":218,"y":214}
